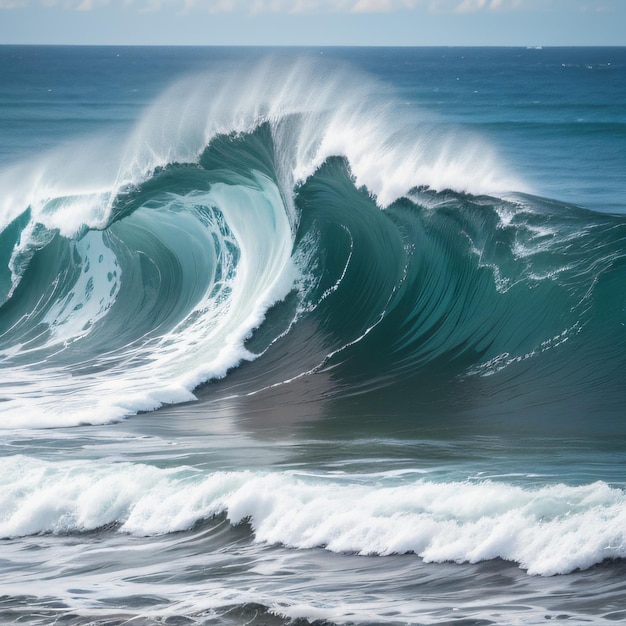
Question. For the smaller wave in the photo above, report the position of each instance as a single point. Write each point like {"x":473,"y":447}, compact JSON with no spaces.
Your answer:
{"x":547,"y":530}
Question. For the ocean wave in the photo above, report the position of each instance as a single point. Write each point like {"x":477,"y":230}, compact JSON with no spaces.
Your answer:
{"x":132,"y":276}
{"x":547,"y":530}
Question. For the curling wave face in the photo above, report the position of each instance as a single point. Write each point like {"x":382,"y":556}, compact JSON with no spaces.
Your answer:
{"x":273,"y":216}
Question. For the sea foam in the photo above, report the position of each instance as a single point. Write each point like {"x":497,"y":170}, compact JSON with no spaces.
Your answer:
{"x":547,"y":530}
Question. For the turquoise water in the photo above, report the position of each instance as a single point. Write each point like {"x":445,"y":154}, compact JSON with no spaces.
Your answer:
{"x":312,"y":336}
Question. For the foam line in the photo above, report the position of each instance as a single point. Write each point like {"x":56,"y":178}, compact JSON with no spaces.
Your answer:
{"x":547,"y":530}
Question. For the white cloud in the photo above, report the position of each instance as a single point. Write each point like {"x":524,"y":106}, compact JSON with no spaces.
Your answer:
{"x":85,"y":5}
{"x":385,"y":6}
{"x":473,"y":6}
{"x":251,"y":7}
{"x":372,"y":6}
{"x":438,"y":6}
{"x":469,"y":6}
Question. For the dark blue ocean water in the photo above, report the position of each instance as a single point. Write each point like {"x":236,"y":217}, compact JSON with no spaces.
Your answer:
{"x":312,"y":335}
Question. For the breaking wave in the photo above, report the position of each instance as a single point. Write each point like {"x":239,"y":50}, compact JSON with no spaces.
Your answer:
{"x":298,"y":211}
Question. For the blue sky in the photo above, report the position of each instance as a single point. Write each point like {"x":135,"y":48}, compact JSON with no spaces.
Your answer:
{"x":314,"y":22}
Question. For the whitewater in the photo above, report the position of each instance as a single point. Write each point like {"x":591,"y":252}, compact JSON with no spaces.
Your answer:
{"x":316,"y":338}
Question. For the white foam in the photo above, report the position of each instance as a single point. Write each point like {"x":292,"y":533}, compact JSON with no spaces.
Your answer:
{"x":92,"y":295}
{"x":546,"y":530}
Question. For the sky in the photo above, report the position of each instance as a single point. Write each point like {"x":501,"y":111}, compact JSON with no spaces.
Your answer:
{"x":315,"y":22}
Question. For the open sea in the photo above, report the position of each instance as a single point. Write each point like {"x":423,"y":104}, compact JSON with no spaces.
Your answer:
{"x":312,"y":336}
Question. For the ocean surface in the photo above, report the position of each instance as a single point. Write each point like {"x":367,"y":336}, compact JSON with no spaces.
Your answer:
{"x":312,"y":336}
